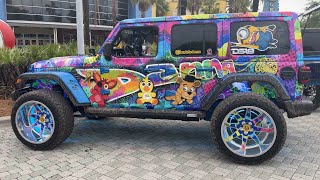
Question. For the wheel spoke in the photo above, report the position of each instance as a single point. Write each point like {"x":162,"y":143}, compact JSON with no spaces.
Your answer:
{"x":36,"y":106}
{"x":231,"y":125}
{"x":237,"y":116}
{"x":232,"y":136}
{"x":260,"y":129}
{"x":248,"y":114}
{"x":242,"y":149}
{"x":258,"y":119}
{"x":244,"y":141}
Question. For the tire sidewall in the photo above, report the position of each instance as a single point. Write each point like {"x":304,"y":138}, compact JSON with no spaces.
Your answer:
{"x":276,"y":115}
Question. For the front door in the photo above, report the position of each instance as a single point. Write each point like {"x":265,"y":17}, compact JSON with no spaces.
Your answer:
{"x":123,"y":78}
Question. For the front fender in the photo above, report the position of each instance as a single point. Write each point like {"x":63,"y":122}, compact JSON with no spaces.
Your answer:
{"x":67,"y":81}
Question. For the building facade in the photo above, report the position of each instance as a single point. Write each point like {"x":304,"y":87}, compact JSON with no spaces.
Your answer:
{"x":174,"y":4}
{"x":38,"y":22}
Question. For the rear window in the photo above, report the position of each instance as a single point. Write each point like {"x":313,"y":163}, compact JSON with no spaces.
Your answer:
{"x":194,"y":40}
{"x":259,"y":38}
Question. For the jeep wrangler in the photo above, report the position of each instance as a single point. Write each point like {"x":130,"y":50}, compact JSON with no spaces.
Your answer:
{"x":241,"y":72}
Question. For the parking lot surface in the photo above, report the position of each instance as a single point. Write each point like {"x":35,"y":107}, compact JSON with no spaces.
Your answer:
{"x":122,"y":148}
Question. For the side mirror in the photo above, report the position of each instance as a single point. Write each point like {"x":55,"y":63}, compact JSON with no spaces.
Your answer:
{"x":107,"y":51}
{"x":92,"y":52}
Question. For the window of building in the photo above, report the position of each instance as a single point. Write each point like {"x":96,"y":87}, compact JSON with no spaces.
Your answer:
{"x":137,"y":42}
{"x":194,"y":40}
{"x":259,"y":38}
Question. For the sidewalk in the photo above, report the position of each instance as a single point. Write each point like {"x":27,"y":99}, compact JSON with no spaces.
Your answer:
{"x":5,"y":118}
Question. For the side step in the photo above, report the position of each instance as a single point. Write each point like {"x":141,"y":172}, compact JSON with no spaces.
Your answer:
{"x":147,"y":113}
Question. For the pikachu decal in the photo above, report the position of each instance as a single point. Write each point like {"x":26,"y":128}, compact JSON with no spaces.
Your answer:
{"x":146,"y":95}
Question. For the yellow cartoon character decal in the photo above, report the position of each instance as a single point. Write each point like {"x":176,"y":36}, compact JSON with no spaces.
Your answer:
{"x":260,"y":38}
{"x":186,"y":91}
{"x":146,"y":95}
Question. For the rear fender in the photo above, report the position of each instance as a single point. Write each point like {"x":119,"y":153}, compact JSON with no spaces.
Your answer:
{"x":227,"y":80}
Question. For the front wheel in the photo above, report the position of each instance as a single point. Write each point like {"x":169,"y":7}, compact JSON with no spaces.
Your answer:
{"x":42,"y":119}
{"x":248,"y":127}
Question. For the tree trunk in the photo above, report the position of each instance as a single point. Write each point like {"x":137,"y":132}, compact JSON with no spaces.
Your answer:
{"x":114,"y":13}
{"x":183,"y":7}
{"x":192,"y":8}
{"x":255,"y":5}
{"x":143,"y":14}
{"x":86,"y":22}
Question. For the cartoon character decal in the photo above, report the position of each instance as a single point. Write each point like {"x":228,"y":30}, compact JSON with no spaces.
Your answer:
{"x":259,"y":38}
{"x":186,"y":91}
{"x":101,"y":89}
{"x":146,"y":95}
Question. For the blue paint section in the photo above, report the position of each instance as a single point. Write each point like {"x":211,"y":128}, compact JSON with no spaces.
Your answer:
{"x":69,"y":81}
{"x":3,"y":10}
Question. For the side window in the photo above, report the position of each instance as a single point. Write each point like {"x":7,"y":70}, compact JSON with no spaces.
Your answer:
{"x":259,"y":38}
{"x":136,"y":42}
{"x":194,"y":40}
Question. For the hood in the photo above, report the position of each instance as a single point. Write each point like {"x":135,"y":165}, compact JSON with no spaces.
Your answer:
{"x":69,"y":61}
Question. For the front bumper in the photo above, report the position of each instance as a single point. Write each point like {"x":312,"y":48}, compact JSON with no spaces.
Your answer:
{"x":298,"y":108}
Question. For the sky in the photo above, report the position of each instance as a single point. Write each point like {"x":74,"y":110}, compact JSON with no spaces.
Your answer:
{"x":293,"y":5}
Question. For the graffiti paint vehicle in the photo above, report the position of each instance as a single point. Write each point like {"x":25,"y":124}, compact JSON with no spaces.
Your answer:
{"x":239,"y":71}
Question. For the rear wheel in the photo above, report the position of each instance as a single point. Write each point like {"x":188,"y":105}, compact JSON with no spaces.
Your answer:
{"x":248,"y":127}
{"x":42,"y":119}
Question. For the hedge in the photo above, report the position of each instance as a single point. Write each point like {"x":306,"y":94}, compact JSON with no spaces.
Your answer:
{"x":16,"y":61}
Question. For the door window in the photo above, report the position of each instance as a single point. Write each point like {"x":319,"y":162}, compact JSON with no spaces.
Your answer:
{"x":137,"y":42}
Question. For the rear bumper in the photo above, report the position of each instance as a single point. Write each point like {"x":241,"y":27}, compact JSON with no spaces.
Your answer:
{"x":298,"y":108}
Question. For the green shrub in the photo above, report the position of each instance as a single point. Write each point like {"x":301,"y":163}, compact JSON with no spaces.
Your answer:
{"x":16,"y":61}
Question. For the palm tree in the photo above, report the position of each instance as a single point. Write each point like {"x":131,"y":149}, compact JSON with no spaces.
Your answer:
{"x":194,"y":6}
{"x":143,"y":5}
{"x":238,"y":6}
{"x":210,"y":7}
{"x":162,"y":8}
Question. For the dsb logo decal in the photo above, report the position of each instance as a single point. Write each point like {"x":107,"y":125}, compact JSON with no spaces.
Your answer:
{"x":236,"y":51}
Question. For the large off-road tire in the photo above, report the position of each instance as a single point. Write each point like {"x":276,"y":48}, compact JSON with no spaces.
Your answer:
{"x":42,"y":119}
{"x":248,"y":127}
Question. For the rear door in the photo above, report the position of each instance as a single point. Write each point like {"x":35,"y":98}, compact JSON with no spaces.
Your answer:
{"x":264,"y":45}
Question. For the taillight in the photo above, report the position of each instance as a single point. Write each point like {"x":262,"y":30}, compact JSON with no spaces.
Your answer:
{"x":304,"y":75}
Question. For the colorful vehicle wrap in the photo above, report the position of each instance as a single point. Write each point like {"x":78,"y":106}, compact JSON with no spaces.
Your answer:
{"x":181,"y":79}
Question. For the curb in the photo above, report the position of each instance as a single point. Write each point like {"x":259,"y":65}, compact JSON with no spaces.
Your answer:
{"x":5,"y":118}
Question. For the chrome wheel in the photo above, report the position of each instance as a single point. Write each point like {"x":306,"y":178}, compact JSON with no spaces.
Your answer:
{"x":248,"y":131}
{"x":35,"y":122}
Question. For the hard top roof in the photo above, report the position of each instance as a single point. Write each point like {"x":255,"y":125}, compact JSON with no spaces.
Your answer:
{"x":210,"y":16}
